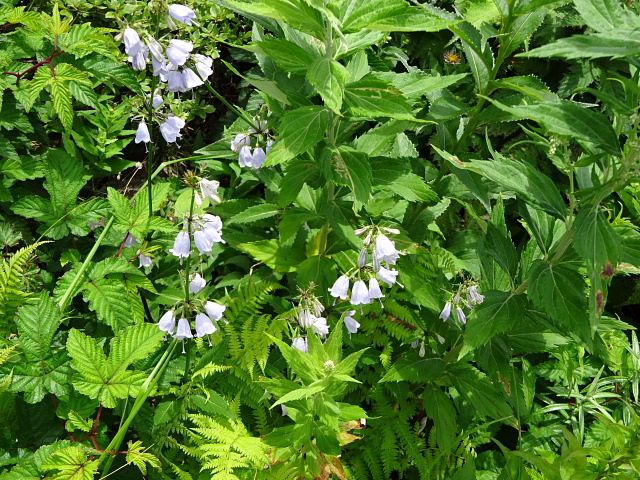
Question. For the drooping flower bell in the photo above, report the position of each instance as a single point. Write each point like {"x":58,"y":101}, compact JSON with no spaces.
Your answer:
{"x":203,"y":65}
{"x":209,"y":189}
{"x":374,"y":290}
{"x":340,"y":288}
{"x":214,"y":310}
{"x":350,"y":322}
{"x":181,"y":246}
{"x":182,"y":13}
{"x":474,"y":297}
{"x":204,"y":326}
{"x":167,"y":322}
{"x":300,"y":343}
{"x":170,"y":129}
{"x":446,"y":312}
{"x":184,"y":331}
{"x":144,"y":261}
{"x":320,"y":326}
{"x":142,"y":134}
{"x":197,"y":283}
{"x":179,"y":51}
{"x":306,"y":319}
{"x":386,"y":250}
{"x":462,"y":318}
{"x":387,"y":276}
{"x":360,"y":294}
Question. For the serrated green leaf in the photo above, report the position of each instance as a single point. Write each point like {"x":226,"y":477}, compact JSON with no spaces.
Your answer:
{"x":440,"y":408}
{"x":72,"y":463}
{"x":414,"y":368}
{"x":601,"y":14}
{"x":411,"y":19}
{"x":272,"y":254}
{"x":304,"y":127}
{"x":287,"y":55}
{"x":255,"y":213}
{"x":498,"y":313}
{"x":595,"y":239}
{"x":373,"y":97}
{"x":329,"y":78}
{"x":112,"y":303}
{"x":355,"y":168}
{"x":569,"y":118}
{"x":212,"y":403}
{"x":524,"y":26}
{"x":502,"y":249}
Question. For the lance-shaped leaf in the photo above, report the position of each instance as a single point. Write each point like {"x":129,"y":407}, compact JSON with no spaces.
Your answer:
{"x":569,"y":118}
{"x":601,"y":14}
{"x":354,"y":169}
{"x":328,"y":77}
{"x":617,"y":43}
{"x":304,"y":127}
{"x":502,"y":249}
{"x":45,"y":370}
{"x":254,"y":214}
{"x":498,"y":313}
{"x":440,"y":408}
{"x":595,"y":239}
{"x":414,"y":368}
{"x":373,"y":97}
{"x":287,"y":55}
{"x":108,"y":379}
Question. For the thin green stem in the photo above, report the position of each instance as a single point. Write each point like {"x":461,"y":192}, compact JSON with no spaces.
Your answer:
{"x":243,"y":115}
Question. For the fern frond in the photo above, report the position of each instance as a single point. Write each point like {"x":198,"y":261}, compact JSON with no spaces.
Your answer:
{"x":12,"y":294}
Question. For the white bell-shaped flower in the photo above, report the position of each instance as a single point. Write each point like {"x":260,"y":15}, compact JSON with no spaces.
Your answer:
{"x":184,"y":329}
{"x":142,"y":134}
{"x":132,"y":43}
{"x":214,"y":310}
{"x":157,"y":101}
{"x":209,"y":189}
{"x":203,"y":65}
{"x":340,"y":288}
{"x":182,"y":13}
{"x":175,"y":82}
{"x":300,"y":343}
{"x":350,"y":322}
{"x":320,"y":327}
{"x":245,"y":157}
{"x":360,"y":294}
{"x":462,"y":318}
{"x":197,"y":283}
{"x":203,"y":244}
{"x":160,"y":69}
{"x":179,"y":51}
{"x":474,"y":297}
{"x":130,"y":240}
{"x":145,"y":261}
{"x":212,"y":221}
{"x":156,"y":49}
{"x":386,"y":250}
{"x":204,"y":325}
{"x":374,"y":289}
{"x":167,"y":322}
{"x":306,"y":319}
{"x":181,"y":246}
{"x":446,"y":312}
{"x":191,"y":80}
{"x":139,"y":60}
{"x":258,"y":158}
{"x":241,"y":140}
{"x":170,"y":129}
{"x":387,"y":276}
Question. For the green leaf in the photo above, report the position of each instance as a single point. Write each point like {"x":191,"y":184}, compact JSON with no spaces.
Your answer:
{"x":498,"y":313}
{"x":304,"y":127}
{"x":411,"y":19}
{"x":354,"y":167}
{"x":559,"y":291}
{"x":373,"y":97}
{"x":212,"y":403}
{"x":595,"y":239}
{"x":601,"y":14}
{"x":440,"y":408}
{"x":415,"y":85}
{"x":287,"y":55}
{"x":328,"y":77}
{"x":254,"y":213}
{"x":297,"y":174}
{"x":521,"y":30}
{"x":63,"y":181}
{"x":568,"y":118}
{"x":413,"y":368}
{"x":302,"y":363}
{"x":530,"y":185}
{"x":479,"y":392}
{"x":618,"y":43}
{"x":272,"y":254}
{"x":502,"y":249}
{"x":393,"y":175}
{"x":72,"y":463}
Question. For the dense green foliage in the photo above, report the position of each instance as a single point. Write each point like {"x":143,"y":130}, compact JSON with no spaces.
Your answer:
{"x":405,"y":235}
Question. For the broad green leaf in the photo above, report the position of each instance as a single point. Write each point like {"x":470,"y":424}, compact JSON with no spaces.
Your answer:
{"x":361,"y":14}
{"x":373,"y":97}
{"x":541,"y":225}
{"x":502,"y":249}
{"x":272,"y":254}
{"x":478,"y":53}
{"x":62,"y":104}
{"x":530,"y":337}
{"x":132,"y":344}
{"x":72,"y":463}
{"x":415,"y":85}
{"x":440,"y":408}
{"x":618,"y":43}
{"x":302,"y":363}
{"x":292,"y":220}
{"x":328,"y":77}
{"x":112,"y":303}
{"x":479,"y":392}
{"x":559,"y":291}
{"x":355,"y":169}
{"x":601,"y":14}
{"x":413,"y":368}
{"x":530,"y":185}
{"x":255,"y":213}
{"x":212,"y":403}
{"x":498,"y":313}
{"x":595,"y":239}
{"x":304,"y":127}
{"x":521,"y":30}
{"x":297,"y":174}
{"x":394,"y":175}
{"x":411,"y":19}
{"x":287,"y":55}
{"x":64,"y":179}
{"x":568,"y":118}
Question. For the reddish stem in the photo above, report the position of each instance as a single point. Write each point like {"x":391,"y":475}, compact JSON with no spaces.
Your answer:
{"x":33,"y":67}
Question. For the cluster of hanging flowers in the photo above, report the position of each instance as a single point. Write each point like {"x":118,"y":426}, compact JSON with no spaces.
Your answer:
{"x":205,"y":322}
{"x":472,"y":298}
{"x":173,"y":66}
{"x":384,"y":252}
{"x":252,"y":147}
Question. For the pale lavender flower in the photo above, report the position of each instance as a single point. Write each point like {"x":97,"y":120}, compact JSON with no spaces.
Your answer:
{"x":340,"y":288}
{"x":203,"y":243}
{"x":245,"y":158}
{"x":241,"y":140}
{"x":422,"y":350}
{"x":156,"y":49}
{"x":320,"y":327}
{"x":306,"y":319}
{"x":258,"y":158}
{"x":387,"y":276}
{"x":167,"y":322}
{"x":360,"y":294}
{"x":160,"y":69}
{"x":374,"y":290}
{"x":446,"y":312}
{"x":181,"y":13}
{"x":181,"y":246}
{"x":214,"y":310}
{"x":130,"y":241}
{"x":462,"y":318}
{"x":179,"y":51}
{"x":300,"y":343}
{"x":204,"y":325}
{"x":203,"y":65}
{"x":132,"y":42}
{"x":170,"y":129}
{"x":197,"y":283}
{"x":362,"y":258}
{"x":386,"y":250}
{"x":144,"y":261}
{"x":157,"y":101}
{"x":474,"y":297}
{"x":175,"y":82}
{"x":142,"y":134}
{"x":191,"y":80}
{"x":209,"y":189}
{"x":350,"y":322}
{"x":284,"y":409}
